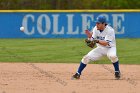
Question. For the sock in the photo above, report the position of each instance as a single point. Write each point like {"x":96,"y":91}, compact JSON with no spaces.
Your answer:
{"x":81,"y":67}
{"x":116,"y":66}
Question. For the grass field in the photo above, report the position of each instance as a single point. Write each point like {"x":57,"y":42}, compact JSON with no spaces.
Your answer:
{"x":62,"y":50}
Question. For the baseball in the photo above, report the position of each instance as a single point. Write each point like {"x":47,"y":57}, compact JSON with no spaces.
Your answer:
{"x":22,"y":28}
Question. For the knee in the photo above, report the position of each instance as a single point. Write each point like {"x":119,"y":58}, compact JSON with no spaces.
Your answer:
{"x":113,"y":58}
{"x":85,"y":59}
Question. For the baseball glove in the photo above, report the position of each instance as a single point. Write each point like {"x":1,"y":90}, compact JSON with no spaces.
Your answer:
{"x":90,"y":43}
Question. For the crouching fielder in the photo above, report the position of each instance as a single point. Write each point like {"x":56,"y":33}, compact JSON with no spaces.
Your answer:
{"x":104,"y":37}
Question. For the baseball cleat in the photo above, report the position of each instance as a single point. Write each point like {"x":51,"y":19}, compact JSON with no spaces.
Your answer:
{"x":117,"y":75}
{"x":76,"y":76}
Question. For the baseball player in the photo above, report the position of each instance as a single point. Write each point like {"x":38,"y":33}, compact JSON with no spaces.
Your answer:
{"x":104,"y":37}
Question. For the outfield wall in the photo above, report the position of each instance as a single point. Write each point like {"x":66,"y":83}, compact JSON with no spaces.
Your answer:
{"x":66,"y":23}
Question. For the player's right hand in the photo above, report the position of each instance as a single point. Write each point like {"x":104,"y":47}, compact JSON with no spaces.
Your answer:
{"x":88,"y":33}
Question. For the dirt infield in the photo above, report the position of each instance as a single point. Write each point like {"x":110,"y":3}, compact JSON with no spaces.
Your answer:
{"x":56,"y":78}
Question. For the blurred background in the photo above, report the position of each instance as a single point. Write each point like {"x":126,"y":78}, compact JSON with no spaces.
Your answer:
{"x":69,"y":4}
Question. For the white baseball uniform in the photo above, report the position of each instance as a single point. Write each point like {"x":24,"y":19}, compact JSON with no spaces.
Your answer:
{"x":108,"y":35}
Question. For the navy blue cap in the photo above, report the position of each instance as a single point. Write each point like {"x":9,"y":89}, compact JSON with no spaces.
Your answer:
{"x":101,"y":19}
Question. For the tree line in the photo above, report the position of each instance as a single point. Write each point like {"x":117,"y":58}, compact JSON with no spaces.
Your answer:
{"x":69,"y":4}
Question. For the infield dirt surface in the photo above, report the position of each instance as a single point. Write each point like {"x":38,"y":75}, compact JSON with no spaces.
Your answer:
{"x":56,"y":78}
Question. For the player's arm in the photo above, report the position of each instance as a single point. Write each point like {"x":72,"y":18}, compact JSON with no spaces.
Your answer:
{"x":102,"y":42}
{"x":89,"y":41}
{"x":108,"y":40}
{"x":90,"y":34}
{"x":90,"y":37}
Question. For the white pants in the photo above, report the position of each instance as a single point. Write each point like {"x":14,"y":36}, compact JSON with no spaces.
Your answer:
{"x":98,"y":52}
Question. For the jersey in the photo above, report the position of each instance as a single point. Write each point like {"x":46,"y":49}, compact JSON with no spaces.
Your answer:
{"x":107,"y":34}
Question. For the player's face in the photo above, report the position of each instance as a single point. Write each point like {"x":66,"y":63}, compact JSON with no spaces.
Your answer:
{"x":100,"y":26}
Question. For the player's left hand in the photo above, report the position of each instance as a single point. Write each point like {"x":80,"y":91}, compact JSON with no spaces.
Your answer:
{"x":90,"y":43}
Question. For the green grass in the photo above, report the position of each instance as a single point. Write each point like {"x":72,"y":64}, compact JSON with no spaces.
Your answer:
{"x":62,"y":50}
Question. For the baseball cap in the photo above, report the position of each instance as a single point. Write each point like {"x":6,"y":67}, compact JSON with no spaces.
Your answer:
{"x":101,"y":19}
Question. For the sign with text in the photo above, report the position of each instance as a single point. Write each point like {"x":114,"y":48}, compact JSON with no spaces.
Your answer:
{"x":65,"y":24}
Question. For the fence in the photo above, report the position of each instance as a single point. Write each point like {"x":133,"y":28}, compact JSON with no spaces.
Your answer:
{"x":66,"y":23}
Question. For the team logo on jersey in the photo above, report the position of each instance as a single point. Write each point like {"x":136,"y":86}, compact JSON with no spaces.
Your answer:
{"x":100,"y":37}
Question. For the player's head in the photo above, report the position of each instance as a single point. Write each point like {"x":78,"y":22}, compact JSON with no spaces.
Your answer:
{"x":101,"y":22}
{"x":101,"y":19}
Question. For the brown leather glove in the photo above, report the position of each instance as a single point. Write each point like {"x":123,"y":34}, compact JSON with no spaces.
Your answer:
{"x":90,"y":43}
